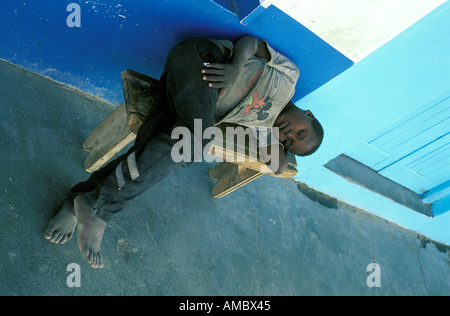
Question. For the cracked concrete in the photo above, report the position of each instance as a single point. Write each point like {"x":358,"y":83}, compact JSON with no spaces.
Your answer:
{"x":271,"y":237}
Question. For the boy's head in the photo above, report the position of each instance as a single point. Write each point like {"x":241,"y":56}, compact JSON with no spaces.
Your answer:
{"x":300,"y":132}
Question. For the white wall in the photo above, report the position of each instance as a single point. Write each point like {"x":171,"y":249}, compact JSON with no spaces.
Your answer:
{"x":356,"y":28}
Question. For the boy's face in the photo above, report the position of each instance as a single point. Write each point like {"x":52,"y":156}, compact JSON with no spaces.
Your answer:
{"x":296,"y":132}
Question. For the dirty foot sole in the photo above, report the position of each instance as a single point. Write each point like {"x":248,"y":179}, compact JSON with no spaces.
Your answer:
{"x":90,"y":229}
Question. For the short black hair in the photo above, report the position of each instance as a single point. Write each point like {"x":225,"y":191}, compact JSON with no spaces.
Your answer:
{"x":319,"y":133}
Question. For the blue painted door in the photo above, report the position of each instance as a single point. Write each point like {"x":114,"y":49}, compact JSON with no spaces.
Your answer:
{"x":415,"y":151}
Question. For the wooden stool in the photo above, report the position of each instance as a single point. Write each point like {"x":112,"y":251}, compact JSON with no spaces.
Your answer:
{"x":121,"y":127}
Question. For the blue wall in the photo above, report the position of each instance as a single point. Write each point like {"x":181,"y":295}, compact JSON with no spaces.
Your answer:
{"x":409,"y":73}
{"x":137,"y":34}
{"x":406,"y":74}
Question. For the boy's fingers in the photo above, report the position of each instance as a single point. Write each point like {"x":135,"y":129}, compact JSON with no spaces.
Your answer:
{"x":216,"y":85}
{"x":212,"y":71}
{"x":213,"y":78}
{"x":217,"y":66}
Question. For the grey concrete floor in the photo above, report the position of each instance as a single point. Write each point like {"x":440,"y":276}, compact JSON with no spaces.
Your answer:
{"x":271,"y":237}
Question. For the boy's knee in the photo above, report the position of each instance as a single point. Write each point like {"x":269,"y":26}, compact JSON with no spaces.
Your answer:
{"x":181,"y":51}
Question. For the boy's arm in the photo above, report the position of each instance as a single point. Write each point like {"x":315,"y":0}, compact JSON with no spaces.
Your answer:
{"x":222,"y":75}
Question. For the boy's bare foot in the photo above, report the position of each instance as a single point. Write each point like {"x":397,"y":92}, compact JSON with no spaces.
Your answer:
{"x":61,"y":227}
{"x":90,"y":231}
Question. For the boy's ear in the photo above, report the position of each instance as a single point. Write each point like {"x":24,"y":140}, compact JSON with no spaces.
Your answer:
{"x":310,"y":114}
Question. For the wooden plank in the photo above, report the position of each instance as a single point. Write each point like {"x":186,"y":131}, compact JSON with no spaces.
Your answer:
{"x":220,"y":170}
{"x":102,"y":129}
{"x":233,"y":179}
{"x":95,"y":160}
{"x":225,"y":155}
{"x":141,"y":95}
{"x":120,"y":128}
{"x":107,"y":139}
{"x":220,"y":194}
{"x":246,"y":156}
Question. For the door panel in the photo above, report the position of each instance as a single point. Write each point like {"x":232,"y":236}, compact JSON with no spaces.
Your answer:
{"x":414,"y":152}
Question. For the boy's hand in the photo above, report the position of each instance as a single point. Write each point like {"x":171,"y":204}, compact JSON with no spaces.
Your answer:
{"x":220,"y":76}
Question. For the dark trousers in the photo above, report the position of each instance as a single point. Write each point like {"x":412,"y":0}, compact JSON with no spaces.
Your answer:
{"x":184,"y":98}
